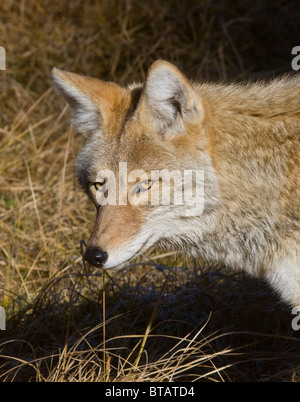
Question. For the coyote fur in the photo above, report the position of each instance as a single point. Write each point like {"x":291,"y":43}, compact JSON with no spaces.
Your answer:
{"x":244,"y":137}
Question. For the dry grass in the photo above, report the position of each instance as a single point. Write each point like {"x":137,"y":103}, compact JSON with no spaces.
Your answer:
{"x":166,"y":318}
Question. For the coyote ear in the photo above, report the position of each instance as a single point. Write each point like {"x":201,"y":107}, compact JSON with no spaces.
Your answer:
{"x":90,"y":99}
{"x":171,"y":98}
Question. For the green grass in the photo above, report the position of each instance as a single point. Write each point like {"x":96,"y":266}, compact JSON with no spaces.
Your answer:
{"x":167,"y":317}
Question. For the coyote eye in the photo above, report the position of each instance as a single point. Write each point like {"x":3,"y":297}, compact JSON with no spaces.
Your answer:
{"x":144,"y":185}
{"x":98,"y":185}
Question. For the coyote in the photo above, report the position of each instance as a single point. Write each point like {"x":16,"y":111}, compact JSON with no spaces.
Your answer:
{"x":245,"y":138}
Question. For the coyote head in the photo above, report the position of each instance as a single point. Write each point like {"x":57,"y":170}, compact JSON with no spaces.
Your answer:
{"x":135,"y":138}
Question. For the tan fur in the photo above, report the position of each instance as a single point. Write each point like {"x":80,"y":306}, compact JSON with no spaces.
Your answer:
{"x":246,"y":138}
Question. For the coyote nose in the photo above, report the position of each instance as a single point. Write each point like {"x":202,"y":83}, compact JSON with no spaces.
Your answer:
{"x":95,"y":256}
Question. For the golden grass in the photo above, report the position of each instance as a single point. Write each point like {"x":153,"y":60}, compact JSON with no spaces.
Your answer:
{"x":166,"y":318}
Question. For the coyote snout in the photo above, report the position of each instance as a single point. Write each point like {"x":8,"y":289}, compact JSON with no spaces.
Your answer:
{"x":95,"y":256}
{"x":242,"y":209}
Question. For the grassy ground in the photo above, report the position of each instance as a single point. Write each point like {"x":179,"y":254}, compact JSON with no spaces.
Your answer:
{"x":166,"y":318}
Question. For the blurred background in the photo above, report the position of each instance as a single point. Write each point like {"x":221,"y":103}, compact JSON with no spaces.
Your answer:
{"x":67,"y":323}
{"x":118,"y":39}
